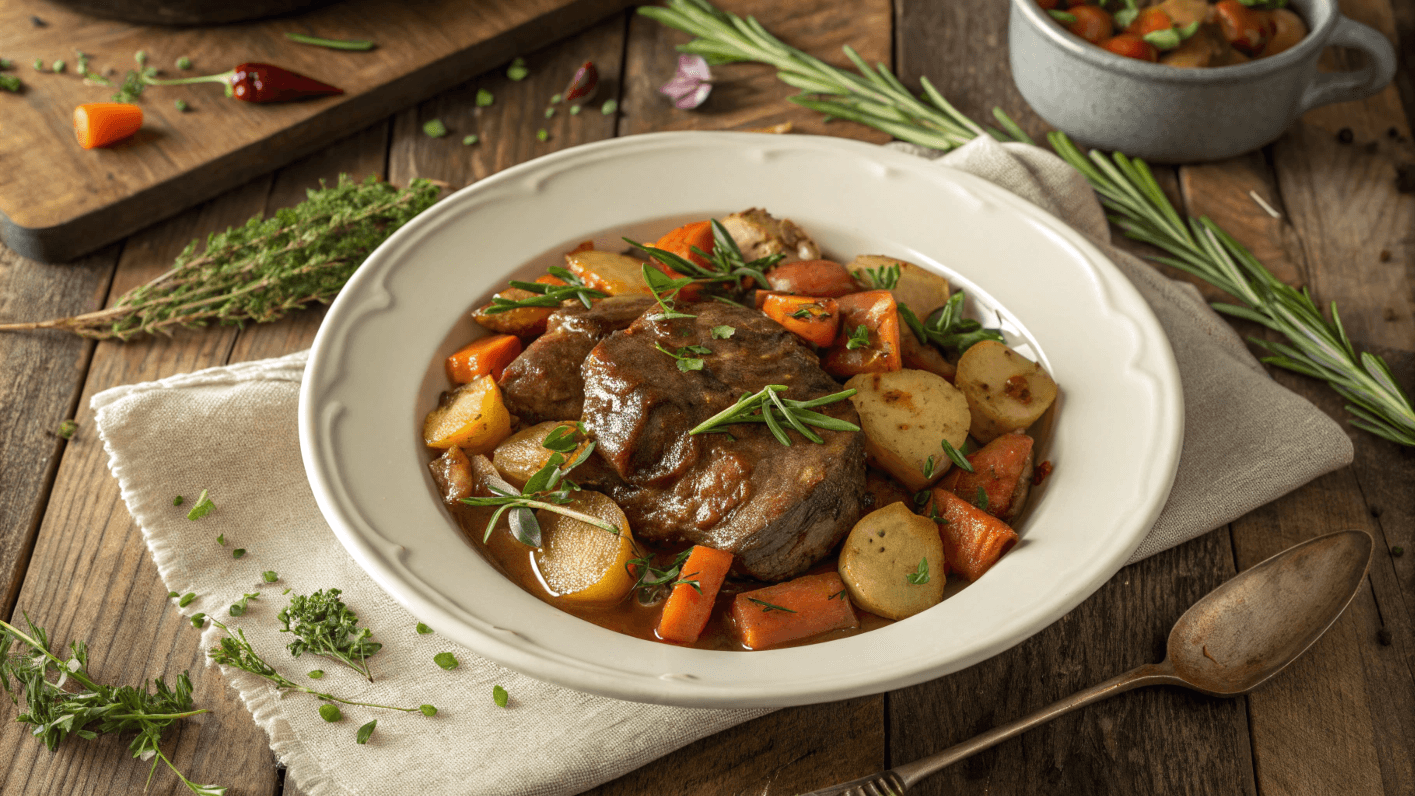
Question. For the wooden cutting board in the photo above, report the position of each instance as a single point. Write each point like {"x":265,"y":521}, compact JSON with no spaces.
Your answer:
{"x":58,"y":201}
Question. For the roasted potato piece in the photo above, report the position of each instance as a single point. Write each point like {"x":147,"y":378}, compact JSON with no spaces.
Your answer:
{"x":523,"y":453}
{"x":580,"y":562}
{"x":522,"y":321}
{"x":760,"y":234}
{"x":1288,"y":29}
{"x":474,"y":418}
{"x":615,"y":274}
{"x":905,"y":415}
{"x":880,"y":563}
{"x":918,"y":288}
{"x":1005,"y":390}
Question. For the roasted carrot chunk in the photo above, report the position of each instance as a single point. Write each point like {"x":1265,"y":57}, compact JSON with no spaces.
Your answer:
{"x":681,"y":242}
{"x":102,"y":123}
{"x":522,"y":321}
{"x":973,"y":540}
{"x":806,"y":606}
{"x":868,"y":339}
{"x":997,"y":471}
{"x":823,"y":278}
{"x":811,"y":319}
{"x":487,"y":355}
{"x":688,"y":608}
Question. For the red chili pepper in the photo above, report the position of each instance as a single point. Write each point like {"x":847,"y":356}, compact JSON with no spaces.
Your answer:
{"x":259,"y":83}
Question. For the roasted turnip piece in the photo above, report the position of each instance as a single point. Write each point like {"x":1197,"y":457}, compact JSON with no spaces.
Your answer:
{"x":760,"y":234}
{"x":917,"y":288}
{"x":1005,"y":390}
{"x":880,"y":563}
{"x":906,"y":415}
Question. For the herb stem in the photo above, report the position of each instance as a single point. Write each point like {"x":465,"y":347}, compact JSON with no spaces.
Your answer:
{"x":333,"y":44}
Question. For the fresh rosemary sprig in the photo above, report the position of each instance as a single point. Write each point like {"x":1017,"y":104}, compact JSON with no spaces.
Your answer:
{"x":574,"y":289}
{"x":1315,"y":346}
{"x":770,"y":408}
{"x":95,"y":709}
{"x":769,"y":607}
{"x":262,"y":270}
{"x":235,"y":651}
{"x":947,"y":328}
{"x":664,"y":290}
{"x":547,"y":489}
{"x":726,"y":262}
{"x":324,"y":625}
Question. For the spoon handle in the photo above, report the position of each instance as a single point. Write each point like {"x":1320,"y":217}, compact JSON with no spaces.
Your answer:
{"x":1149,"y":674}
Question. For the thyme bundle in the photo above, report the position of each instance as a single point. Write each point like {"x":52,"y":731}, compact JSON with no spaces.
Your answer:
{"x":264,"y":269}
{"x":1314,"y":346}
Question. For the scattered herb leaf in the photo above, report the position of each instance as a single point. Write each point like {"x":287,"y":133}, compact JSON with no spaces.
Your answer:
{"x":981,"y":501}
{"x":542,"y":135}
{"x":955,"y":456}
{"x":517,"y":70}
{"x":67,"y":429}
{"x":365,"y":732}
{"x":423,"y":629}
{"x":238,"y":552}
{"x":446,"y":660}
{"x":499,"y":696}
{"x":330,"y":712}
{"x":434,"y":128}
{"x":484,"y":98}
{"x":270,"y":576}
{"x":186,"y":599}
{"x":316,"y":674}
{"x":859,"y":338}
{"x":202,"y":508}
{"x":428,"y":710}
{"x":239,"y":607}
{"x":182,"y":105}
{"x":184,"y":63}
{"x":198,"y":620}
{"x":769,"y":607}
{"x":178,"y":500}
{"x":723,"y":332}
{"x":609,"y":107}
{"x":919,"y":576}
{"x":333,"y":44}
{"x":468,"y":140}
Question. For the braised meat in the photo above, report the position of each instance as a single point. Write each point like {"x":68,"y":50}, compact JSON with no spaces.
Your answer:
{"x":778,"y":509}
{"x":543,"y":383}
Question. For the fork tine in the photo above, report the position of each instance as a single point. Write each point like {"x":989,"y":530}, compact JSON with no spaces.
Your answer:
{"x":886,"y":783}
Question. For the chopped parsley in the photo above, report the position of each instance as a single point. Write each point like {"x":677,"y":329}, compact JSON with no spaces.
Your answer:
{"x":919,"y":576}
{"x":858,"y":338}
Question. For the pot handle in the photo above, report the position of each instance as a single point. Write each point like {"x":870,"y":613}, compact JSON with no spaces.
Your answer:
{"x":1329,"y":87}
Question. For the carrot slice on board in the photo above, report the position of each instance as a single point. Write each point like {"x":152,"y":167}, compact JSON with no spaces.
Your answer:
{"x":101,"y":123}
{"x":687,"y":610}
{"x":799,"y":608}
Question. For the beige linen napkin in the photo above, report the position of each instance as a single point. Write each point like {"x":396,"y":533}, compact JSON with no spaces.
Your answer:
{"x":233,"y":430}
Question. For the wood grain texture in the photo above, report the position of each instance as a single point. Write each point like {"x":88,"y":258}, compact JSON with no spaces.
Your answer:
{"x":57,"y":200}
{"x":746,"y":96}
{"x":962,"y":49}
{"x":506,"y":129}
{"x":1107,"y":748}
{"x":44,"y":374}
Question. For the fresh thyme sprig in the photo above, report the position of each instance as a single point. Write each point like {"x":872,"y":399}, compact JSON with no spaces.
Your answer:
{"x":547,"y":295}
{"x":653,"y":583}
{"x":767,"y":406}
{"x":547,"y":489}
{"x":947,"y":328}
{"x":264,"y":269}
{"x":236,"y":651}
{"x":324,"y":625}
{"x":1315,"y":346}
{"x":57,"y":714}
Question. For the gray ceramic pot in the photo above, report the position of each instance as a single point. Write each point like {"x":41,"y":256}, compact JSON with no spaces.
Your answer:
{"x":1170,"y":115}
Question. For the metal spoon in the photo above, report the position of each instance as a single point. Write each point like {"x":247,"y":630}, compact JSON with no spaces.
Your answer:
{"x":1228,"y":643}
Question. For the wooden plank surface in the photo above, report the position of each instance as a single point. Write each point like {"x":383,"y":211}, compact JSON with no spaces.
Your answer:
{"x":1341,"y":721}
{"x":58,"y":201}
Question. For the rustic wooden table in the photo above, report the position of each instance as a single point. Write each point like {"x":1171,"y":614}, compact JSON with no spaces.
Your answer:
{"x":1341,"y":720}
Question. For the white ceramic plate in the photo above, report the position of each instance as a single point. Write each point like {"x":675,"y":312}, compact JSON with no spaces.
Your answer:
{"x":376,"y":370}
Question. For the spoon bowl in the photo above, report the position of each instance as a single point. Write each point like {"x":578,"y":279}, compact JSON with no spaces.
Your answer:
{"x":1250,"y":628}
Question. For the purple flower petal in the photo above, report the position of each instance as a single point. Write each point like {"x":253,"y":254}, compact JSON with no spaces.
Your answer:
{"x":690,"y":87}
{"x":694,"y":66}
{"x":695,"y":98}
